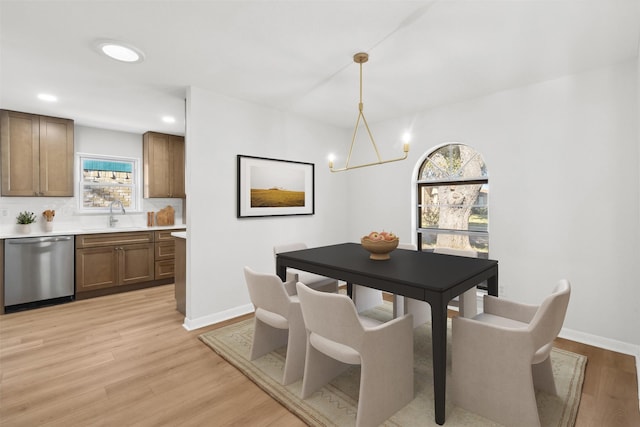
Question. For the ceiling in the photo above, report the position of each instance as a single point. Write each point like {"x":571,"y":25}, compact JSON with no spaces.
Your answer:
{"x":297,"y":56}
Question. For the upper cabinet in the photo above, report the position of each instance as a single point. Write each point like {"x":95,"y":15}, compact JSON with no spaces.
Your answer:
{"x":163,"y":165}
{"x":37,"y":155}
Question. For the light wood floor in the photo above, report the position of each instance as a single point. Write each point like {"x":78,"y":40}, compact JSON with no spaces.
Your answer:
{"x":126,"y":360}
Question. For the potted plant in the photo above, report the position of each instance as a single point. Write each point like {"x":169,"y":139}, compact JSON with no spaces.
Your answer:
{"x":25,"y":219}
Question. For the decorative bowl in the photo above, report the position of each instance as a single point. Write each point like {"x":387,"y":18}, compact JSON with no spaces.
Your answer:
{"x":379,"y":249}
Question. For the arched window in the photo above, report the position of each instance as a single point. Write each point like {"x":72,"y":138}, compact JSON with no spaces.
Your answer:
{"x":453,"y":200}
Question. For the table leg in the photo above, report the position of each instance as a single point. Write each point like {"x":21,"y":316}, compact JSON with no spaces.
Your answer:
{"x":281,"y":271}
{"x":439,"y":345}
{"x":492,"y":284}
{"x":350,"y":289}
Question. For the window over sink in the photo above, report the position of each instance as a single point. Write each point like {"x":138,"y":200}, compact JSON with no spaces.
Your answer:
{"x":104,"y":179}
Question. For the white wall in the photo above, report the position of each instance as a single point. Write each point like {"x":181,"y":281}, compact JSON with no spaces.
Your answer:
{"x":563,"y":159}
{"x":219,"y":244}
{"x":91,"y":141}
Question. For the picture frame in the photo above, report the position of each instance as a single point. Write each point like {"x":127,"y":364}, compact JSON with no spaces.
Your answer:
{"x":274,"y":187}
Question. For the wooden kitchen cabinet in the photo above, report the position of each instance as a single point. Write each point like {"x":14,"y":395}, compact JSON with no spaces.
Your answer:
{"x":37,"y":155}
{"x":111,"y":260}
{"x":163,"y":164}
{"x":165,"y":249}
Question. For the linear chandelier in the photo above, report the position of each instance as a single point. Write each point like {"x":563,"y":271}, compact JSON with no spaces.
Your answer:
{"x":361,"y":58}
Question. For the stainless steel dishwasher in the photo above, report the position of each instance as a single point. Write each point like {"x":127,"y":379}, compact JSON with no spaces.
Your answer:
{"x":38,"y":271}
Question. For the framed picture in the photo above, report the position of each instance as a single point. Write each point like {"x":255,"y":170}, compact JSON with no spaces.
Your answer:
{"x":272,"y":187}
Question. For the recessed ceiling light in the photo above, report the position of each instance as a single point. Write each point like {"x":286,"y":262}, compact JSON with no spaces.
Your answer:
{"x":120,"y":51}
{"x":168,"y":119}
{"x":47,"y":97}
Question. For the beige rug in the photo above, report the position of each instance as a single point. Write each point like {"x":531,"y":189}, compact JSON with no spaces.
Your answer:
{"x":335,"y":404}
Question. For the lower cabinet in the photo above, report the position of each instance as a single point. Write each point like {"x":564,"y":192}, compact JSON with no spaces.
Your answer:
{"x":115,"y":262}
{"x":165,"y":250}
{"x":112,"y":260}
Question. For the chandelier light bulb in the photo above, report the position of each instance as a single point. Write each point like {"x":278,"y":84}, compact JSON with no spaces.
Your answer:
{"x":331,"y":157}
{"x":406,"y":138}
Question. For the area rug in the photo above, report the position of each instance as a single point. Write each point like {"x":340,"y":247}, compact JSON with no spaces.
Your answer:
{"x":336,"y":403}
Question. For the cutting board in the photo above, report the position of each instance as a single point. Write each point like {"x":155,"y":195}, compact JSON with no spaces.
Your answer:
{"x":165,"y":216}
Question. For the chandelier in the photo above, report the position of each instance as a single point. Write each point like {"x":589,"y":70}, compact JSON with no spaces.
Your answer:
{"x":361,"y":58}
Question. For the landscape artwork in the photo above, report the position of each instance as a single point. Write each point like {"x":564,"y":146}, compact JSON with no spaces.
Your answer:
{"x":271,"y":187}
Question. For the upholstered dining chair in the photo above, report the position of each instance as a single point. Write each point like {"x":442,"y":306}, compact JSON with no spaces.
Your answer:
{"x":278,"y":322}
{"x":501,"y":356}
{"x":338,"y":338}
{"x":421,"y":310}
{"x":314,"y":281}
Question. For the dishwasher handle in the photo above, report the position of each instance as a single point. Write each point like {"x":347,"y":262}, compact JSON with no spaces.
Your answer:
{"x":34,"y":240}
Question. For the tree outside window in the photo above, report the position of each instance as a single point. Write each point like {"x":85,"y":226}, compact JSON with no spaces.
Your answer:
{"x":453,"y":190}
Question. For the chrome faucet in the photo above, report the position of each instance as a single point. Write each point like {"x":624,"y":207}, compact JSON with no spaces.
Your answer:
{"x":112,"y":219}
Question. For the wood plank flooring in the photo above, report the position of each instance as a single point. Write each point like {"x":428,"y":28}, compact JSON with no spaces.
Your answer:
{"x":126,"y":360}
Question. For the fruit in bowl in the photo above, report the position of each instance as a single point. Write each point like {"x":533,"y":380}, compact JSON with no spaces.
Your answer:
{"x":379,"y":244}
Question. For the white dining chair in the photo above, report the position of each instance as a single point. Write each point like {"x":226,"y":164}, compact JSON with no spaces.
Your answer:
{"x":337,"y":338}
{"x":277,"y":322}
{"x":314,"y":281}
{"x":501,"y":356}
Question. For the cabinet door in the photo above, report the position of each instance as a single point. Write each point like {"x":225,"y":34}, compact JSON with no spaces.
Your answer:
{"x":165,"y":250}
{"x":156,"y":165}
{"x":136,"y":263}
{"x":176,"y":167}
{"x":163,"y":165}
{"x":19,"y":141}
{"x":165,"y":269}
{"x":96,"y":268}
{"x":56,"y":157}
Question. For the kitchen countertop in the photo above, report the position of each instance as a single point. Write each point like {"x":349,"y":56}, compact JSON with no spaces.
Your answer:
{"x":36,"y":231}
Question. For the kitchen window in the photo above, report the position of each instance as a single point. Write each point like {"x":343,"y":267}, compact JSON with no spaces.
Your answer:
{"x":106,"y":179}
{"x":453,"y":200}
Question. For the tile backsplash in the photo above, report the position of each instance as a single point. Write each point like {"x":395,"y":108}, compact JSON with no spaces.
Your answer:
{"x":67,"y":216}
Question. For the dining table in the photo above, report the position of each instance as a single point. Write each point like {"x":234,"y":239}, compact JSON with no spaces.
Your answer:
{"x":422,"y":275}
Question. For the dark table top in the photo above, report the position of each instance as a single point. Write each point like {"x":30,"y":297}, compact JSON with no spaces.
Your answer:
{"x":415,"y":274}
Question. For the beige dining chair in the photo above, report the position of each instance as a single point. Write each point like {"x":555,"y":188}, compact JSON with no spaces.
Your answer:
{"x":338,"y":338}
{"x":278,"y":322}
{"x":502,"y":355}
{"x":314,"y":281}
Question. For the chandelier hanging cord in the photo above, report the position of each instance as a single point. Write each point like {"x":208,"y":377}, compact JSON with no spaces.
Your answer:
{"x":361,"y":58}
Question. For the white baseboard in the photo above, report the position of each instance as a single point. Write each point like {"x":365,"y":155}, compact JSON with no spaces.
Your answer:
{"x":201,"y":322}
{"x":608,"y":344}
{"x":602,"y":342}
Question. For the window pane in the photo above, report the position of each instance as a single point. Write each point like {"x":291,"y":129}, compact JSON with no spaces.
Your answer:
{"x":454,"y":207}
{"x":478,"y":242}
{"x":101,"y":196}
{"x":105,"y":179}
{"x":453,"y":162}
